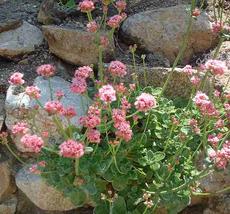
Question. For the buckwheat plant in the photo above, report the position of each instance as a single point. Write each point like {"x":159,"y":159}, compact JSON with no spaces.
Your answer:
{"x":136,"y":151}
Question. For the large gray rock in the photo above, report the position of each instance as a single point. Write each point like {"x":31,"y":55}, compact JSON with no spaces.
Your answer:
{"x":19,"y":41}
{"x":19,"y":107}
{"x":6,"y":25}
{"x":40,"y":193}
{"x":8,"y":206}
{"x":75,"y":46}
{"x":163,"y":30}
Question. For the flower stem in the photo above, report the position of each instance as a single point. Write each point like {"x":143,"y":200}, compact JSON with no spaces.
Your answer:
{"x":51,"y":90}
{"x":182,"y":50}
{"x":16,"y":156}
{"x":77,"y":166}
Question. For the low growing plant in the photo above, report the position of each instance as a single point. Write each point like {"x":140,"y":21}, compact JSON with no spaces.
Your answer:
{"x":136,"y":151}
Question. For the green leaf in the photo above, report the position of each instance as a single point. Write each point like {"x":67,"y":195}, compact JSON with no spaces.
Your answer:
{"x":119,"y":206}
{"x":155,"y":166}
{"x":88,"y":149}
{"x":158,"y":156}
{"x":101,"y":208}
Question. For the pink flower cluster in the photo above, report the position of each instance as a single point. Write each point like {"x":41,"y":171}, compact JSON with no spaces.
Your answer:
{"x":217,"y":67}
{"x":194,"y":125}
{"x":115,"y":21}
{"x":214,"y":139}
{"x":107,"y":94}
{"x":205,"y":105}
{"x":16,"y":79}
{"x":71,"y":149}
{"x":121,"y":5}
{"x":53,"y":107}
{"x":69,"y":112}
{"x":92,"y":27}
{"x":34,"y":168}
{"x":46,"y":70}
{"x":83,"y":72}
{"x":33,"y":92}
{"x":217,"y":27}
{"x":221,"y":157}
{"x":145,"y":102}
{"x":93,"y":119}
{"x":117,"y":69}
{"x":20,"y":128}
{"x":32,"y":142}
{"x":93,"y":136}
{"x":86,"y":6}
{"x":123,"y":129}
{"x":79,"y":84}
{"x":193,"y":75}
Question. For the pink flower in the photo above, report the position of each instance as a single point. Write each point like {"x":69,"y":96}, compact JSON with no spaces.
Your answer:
{"x":200,"y":98}
{"x":219,"y":124}
{"x":86,"y":6}
{"x":46,"y":70}
{"x":20,"y":128}
{"x":217,"y":67}
{"x":194,"y":125}
{"x":121,"y":5}
{"x":33,"y":92}
{"x":120,"y":88}
{"x":145,"y":102}
{"x":107,"y":94}
{"x":195,"y":80}
{"x":196,"y":12}
{"x":189,"y":70}
{"x":92,"y":27}
{"x":94,"y":110}
{"x":83,"y":72}
{"x":78,"y":85}
{"x":34,"y":169}
{"x":217,"y":27}
{"x":217,"y":93}
{"x":69,"y":112}
{"x":227,"y":107}
{"x":32,"y":142}
{"x":118,"y":117}
{"x":90,"y":121}
{"x":124,"y":131}
{"x":16,"y":79}
{"x":117,"y":68}
{"x":71,"y":149}
{"x":132,"y":87}
{"x":93,"y":136}
{"x":59,"y":94}
{"x":53,"y":107}
{"x":42,"y":163}
{"x":45,"y":134}
{"x":125,"y":105}
{"x":115,"y":21}
{"x":213,"y":139}
{"x":104,"y":41}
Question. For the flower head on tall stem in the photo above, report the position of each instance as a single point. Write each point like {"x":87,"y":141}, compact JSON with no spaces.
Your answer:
{"x":107,"y":94}
{"x":145,"y":102}
{"x":16,"y":79}
{"x":33,"y":92}
{"x":32,"y":142}
{"x":115,"y":21}
{"x":46,"y":70}
{"x":71,"y":149}
{"x":86,"y":6}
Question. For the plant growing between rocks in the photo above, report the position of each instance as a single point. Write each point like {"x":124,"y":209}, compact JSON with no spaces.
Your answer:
{"x":136,"y":151}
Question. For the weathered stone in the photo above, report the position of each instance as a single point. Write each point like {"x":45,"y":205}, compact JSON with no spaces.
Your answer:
{"x":215,"y":181}
{"x":75,"y":46}
{"x":19,"y":107}
{"x":20,"y":41}
{"x":10,"y":25}
{"x":8,"y":206}
{"x":50,"y":12}
{"x":163,"y":30}
{"x":179,"y":86}
{"x":40,"y":193}
{"x":6,"y":186}
{"x":218,"y":205}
